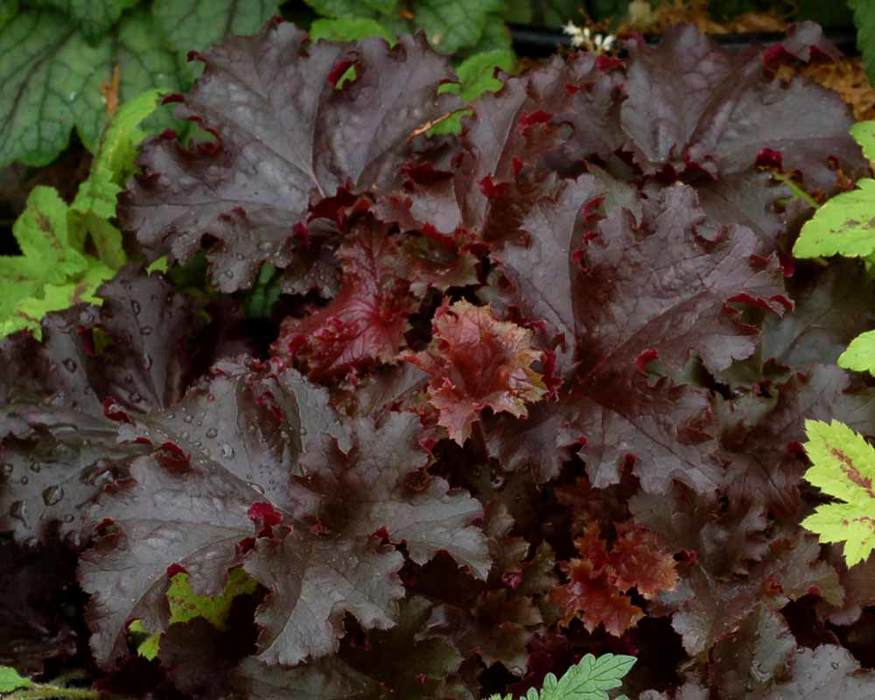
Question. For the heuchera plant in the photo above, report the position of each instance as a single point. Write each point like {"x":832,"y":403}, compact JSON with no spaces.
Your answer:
{"x":530,"y":392}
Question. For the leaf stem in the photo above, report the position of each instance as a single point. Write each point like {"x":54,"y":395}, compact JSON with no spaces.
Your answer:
{"x":40,"y":691}
{"x":795,"y":189}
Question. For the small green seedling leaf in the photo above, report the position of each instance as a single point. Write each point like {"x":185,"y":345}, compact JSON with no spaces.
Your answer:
{"x":843,"y":466}
{"x":845,"y":225}
{"x":11,"y":680}
{"x":589,"y":679}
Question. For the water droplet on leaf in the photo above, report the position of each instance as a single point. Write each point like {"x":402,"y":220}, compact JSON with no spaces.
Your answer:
{"x":53,"y":495}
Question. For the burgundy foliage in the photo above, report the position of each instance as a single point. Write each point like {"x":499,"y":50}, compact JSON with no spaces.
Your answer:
{"x":532,"y":391}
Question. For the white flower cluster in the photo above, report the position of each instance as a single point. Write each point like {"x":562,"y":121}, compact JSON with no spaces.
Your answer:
{"x":583,"y":38}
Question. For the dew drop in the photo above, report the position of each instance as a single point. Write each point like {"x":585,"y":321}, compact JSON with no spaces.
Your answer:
{"x":147,"y":361}
{"x":24,"y":480}
{"x":188,"y":418}
{"x":835,"y":665}
{"x":212,"y":432}
{"x":256,"y":487}
{"x":227,"y":451}
{"x":68,"y":518}
{"x":18,"y":510}
{"x":6,"y":469}
{"x":53,"y":495}
{"x":135,"y":397}
{"x":146,"y":330}
{"x":135,"y":307}
{"x":35,"y":467}
{"x":69,"y":364}
{"x":265,"y":246}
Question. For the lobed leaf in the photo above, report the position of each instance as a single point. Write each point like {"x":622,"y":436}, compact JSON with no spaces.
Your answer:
{"x":842,"y":226}
{"x":844,"y":468}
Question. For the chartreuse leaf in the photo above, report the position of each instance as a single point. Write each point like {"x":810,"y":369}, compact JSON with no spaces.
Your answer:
{"x":11,"y":680}
{"x":43,"y":236}
{"x":860,"y":354}
{"x":843,"y":466}
{"x":845,"y":225}
{"x":52,"y":273}
{"x":185,"y":605}
{"x":95,"y":202}
{"x":864,"y":134}
{"x":589,"y":679}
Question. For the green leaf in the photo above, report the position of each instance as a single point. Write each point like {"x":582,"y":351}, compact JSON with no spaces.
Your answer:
{"x":860,"y":354}
{"x":452,"y":25}
{"x":11,"y":680}
{"x":477,"y":73}
{"x":589,"y":679}
{"x":8,"y":10}
{"x":29,"y":310}
{"x":94,"y":17}
{"x":341,"y":8}
{"x":476,"y":77}
{"x":52,"y":273}
{"x":845,"y":225}
{"x":843,"y":466}
{"x":185,"y":605}
{"x":349,"y":29}
{"x":864,"y":19}
{"x":864,"y":134}
{"x":95,"y":202}
{"x":267,"y":290}
{"x":52,"y":79}
{"x":42,"y":234}
{"x":198,"y":24}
